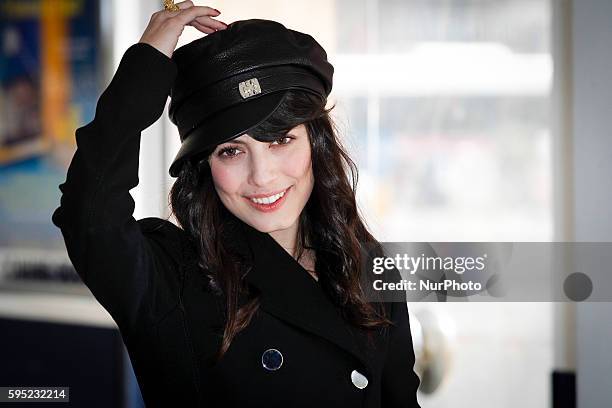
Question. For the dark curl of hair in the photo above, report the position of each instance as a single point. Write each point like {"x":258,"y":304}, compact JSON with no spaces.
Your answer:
{"x":330,"y":222}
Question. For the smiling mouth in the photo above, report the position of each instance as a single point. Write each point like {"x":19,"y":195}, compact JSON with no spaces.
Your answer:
{"x":270,"y":203}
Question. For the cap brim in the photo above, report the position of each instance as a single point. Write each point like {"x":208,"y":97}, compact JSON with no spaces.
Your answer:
{"x":227,"y":125}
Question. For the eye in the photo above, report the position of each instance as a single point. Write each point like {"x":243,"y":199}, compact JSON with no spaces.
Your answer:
{"x":230,"y":150}
{"x":281,"y":140}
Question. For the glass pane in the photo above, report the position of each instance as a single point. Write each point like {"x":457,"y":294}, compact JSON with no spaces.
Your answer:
{"x":446,"y":105}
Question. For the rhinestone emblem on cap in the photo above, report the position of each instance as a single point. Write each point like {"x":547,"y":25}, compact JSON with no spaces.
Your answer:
{"x":249,"y":88}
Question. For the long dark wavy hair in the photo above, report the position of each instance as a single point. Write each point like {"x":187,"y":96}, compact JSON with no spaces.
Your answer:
{"x":330,"y":222}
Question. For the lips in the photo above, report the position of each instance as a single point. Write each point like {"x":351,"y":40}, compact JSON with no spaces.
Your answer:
{"x":266,"y":194}
{"x":269,"y":207}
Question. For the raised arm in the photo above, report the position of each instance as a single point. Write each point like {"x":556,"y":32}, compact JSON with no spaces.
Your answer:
{"x":103,"y":240}
{"x":110,"y":250}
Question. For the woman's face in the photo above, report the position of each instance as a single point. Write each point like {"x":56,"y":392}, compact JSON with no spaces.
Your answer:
{"x":265,"y":184}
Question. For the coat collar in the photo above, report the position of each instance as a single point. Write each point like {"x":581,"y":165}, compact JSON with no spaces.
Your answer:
{"x":291,"y":294}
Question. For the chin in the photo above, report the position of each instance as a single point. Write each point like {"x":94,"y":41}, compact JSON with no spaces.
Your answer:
{"x":270,"y":225}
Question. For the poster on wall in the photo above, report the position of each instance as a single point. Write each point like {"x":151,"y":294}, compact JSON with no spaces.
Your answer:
{"x":50,"y":78}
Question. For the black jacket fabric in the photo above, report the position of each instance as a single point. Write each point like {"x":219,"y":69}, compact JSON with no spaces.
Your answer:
{"x":145,"y":274}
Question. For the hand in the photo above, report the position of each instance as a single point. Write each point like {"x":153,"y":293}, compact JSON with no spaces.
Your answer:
{"x":165,"y":26}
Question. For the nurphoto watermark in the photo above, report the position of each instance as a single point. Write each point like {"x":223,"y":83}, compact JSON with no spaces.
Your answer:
{"x":488,"y":271}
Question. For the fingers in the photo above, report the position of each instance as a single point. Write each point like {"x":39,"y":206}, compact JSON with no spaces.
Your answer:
{"x":207,"y":25}
{"x":199,"y":17}
{"x":210,"y":22}
{"x":184,"y":4}
{"x":187,"y":15}
{"x":202,"y":28}
{"x":165,"y":13}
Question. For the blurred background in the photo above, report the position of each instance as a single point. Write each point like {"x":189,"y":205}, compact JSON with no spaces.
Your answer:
{"x":469,"y":120}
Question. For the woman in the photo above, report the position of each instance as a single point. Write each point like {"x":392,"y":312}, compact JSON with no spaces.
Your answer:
{"x":255,"y":300}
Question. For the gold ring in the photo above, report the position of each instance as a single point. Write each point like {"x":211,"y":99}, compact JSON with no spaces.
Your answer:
{"x":169,"y":5}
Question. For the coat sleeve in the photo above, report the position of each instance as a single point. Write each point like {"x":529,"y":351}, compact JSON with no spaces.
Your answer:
{"x":399,"y":380}
{"x":106,"y":245}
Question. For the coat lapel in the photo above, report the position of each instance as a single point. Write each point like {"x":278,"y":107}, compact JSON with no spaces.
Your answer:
{"x":291,"y":294}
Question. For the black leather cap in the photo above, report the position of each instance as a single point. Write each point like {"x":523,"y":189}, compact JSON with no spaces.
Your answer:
{"x":233,"y":79}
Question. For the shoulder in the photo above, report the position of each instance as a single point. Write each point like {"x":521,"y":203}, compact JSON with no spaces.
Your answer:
{"x":166,"y":235}
{"x":160,"y":225}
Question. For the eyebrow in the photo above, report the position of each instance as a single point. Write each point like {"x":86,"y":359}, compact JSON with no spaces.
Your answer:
{"x":240,"y":142}
{"x":232,"y":142}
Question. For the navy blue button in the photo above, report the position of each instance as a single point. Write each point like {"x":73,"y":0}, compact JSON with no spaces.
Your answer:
{"x":272,"y":359}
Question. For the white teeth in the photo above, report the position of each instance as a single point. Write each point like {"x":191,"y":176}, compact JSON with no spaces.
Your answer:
{"x":268,"y":200}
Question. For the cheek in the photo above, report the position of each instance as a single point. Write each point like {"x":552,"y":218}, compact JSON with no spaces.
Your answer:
{"x":225,"y":178}
{"x":298,"y":165}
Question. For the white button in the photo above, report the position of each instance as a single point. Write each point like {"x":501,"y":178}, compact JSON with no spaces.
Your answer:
{"x":359,"y":380}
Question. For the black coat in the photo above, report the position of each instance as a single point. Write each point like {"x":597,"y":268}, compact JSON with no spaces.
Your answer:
{"x":145,"y":274}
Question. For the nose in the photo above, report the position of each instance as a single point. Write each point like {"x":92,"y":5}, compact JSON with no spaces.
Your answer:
{"x":263,"y":168}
